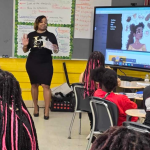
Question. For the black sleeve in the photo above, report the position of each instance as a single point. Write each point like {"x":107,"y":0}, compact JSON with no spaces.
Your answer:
{"x":28,"y":36}
{"x":54,"y":39}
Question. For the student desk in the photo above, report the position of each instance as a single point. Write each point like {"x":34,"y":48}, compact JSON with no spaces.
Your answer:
{"x":133,"y":96}
{"x":139,"y":98}
{"x":135,"y":113}
{"x":134,"y":84}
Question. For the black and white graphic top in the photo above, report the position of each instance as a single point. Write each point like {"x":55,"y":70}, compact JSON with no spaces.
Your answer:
{"x":38,"y":41}
{"x":42,"y":42}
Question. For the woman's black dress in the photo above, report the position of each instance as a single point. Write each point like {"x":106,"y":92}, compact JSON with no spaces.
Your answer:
{"x":39,"y":62}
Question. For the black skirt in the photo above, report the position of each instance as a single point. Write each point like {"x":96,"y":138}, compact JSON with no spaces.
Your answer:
{"x":39,"y":69}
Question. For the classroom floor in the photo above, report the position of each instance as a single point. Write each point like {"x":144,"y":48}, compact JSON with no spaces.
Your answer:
{"x":53,"y":134}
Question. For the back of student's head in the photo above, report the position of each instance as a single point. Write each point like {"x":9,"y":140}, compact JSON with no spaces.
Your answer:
{"x":16,"y":124}
{"x":122,"y":138}
{"x":9,"y":88}
{"x":95,"y":60}
{"x":106,"y":77}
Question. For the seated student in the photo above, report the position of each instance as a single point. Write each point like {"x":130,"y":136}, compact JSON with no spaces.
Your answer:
{"x":122,"y":138}
{"x":108,"y":80}
{"x":17,"y":130}
{"x":95,"y":60}
{"x":146,"y":103}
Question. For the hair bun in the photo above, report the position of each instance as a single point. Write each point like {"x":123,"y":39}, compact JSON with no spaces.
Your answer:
{"x":97,"y":74}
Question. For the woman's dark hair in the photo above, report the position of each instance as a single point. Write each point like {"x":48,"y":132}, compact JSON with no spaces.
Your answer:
{"x":122,"y":138}
{"x":37,"y":21}
{"x":95,"y":60}
{"x":17,"y":130}
{"x":132,"y":31}
{"x":105,"y":76}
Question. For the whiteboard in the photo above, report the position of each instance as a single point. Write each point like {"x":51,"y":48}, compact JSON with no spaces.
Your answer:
{"x":62,"y":34}
{"x":56,"y":11}
{"x":60,"y":15}
{"x":84,"y":15}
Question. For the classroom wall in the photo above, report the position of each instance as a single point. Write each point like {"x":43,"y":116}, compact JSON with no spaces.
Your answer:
{"x":6,"y":27}
{"x":17,"y":68}
{"x":74,"y":68}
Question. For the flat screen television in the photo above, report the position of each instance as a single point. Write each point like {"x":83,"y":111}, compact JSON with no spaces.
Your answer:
{"x":122,"y":34}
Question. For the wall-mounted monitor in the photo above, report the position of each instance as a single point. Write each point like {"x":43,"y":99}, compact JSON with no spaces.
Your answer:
{"x":122,"y":34}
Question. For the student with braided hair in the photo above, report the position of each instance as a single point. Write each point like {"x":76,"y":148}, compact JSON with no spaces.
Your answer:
{"x":122,"y":138}
{"x":17,"y":130}
{"x":95,"y":60}
{"x":108,"y":79}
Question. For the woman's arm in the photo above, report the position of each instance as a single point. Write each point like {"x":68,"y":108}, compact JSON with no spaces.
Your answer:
{"x":25,"y":49}
{"x":119,"y":82}
{"x":25,"y":42}
{"x":108,"y":67}
{"x":81,"y":77}
{"x":128,"y":104}
{"x":55,"y":44}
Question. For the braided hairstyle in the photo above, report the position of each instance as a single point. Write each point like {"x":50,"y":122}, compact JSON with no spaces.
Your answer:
{"x":95,"y":60}
{"x":17,"y":130}
{"x":122,"y":138}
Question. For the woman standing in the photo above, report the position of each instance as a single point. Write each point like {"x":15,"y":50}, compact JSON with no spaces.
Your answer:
{"x":39,"y":65}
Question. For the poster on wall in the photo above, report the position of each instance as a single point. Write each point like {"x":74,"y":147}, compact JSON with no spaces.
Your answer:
{"x":60,"y":15}
{"x":84,"y":15}
{"x":56,"y":11}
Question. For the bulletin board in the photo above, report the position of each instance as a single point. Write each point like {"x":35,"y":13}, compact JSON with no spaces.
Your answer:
{"x":60,"y":15}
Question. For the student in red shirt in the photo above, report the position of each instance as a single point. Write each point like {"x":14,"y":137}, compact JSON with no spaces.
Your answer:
{"x":108,"y":80}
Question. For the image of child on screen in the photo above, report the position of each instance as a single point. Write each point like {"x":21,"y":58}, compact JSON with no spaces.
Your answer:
{"x":136,"y":34}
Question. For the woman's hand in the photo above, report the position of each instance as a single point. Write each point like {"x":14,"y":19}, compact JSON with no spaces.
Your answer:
{"x":55,"y":48}
{"x":119,"y":81}
{"x":25,"y":40}
{"x":108,"y":67}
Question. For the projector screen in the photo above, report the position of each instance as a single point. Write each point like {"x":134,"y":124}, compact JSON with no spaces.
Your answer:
{"x":122,"y":34}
